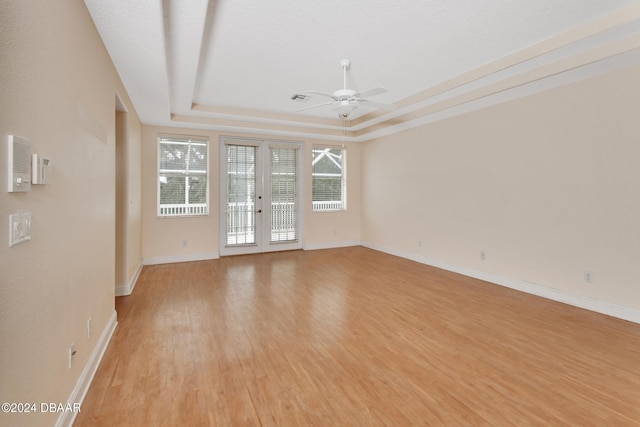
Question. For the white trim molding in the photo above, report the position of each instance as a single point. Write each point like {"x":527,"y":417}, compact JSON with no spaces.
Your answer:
{"x":127,"y":289}
{"x":79,"y":392}
{"x":180,"y":258}
{"x":588,"y":303}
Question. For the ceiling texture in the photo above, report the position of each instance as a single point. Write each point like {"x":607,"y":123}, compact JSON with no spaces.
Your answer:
{"x":234,"y":66}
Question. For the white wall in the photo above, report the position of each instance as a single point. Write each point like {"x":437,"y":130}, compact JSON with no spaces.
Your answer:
{"x":547,"y":186}
{"x":162,"y":238}
{"x":58,"y":89}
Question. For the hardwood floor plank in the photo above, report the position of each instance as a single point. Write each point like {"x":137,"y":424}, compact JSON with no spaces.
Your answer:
{"x":355,"y":337}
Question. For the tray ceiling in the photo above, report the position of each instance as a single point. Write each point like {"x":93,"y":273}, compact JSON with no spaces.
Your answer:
{"x":234,"y":65}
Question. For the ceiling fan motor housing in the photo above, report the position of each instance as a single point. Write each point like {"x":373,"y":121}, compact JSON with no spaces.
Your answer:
{"x":344,"y":94}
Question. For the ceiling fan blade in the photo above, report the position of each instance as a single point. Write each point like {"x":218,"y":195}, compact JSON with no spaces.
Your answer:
{"x":323,"y":94}
{"x":380,"y":105}
{"x":371,"y":92}
{"x":314,"y":106}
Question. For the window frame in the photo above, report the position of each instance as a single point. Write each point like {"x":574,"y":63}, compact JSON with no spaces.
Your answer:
{"x":316,"y":204}
{"x":177,"y":210}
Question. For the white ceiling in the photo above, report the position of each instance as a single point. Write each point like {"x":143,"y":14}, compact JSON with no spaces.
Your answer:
{"x":234,"y":65}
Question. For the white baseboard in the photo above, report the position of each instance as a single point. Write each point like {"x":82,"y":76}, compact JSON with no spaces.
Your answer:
{"x":180,"y":258}
{"x":332,"y":245}
{"x":124,"y":290}
{"x":592,"y":304}
{"x":79,"y":392}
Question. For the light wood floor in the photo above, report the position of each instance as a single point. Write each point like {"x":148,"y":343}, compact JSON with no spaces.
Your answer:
{"x":355,"y":337}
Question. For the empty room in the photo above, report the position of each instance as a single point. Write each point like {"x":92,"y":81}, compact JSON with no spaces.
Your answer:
{"x":337,"y":213}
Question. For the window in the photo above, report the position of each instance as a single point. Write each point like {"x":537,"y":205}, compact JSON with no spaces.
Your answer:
{"x":328,"y":179}
{"x":182,"y":177}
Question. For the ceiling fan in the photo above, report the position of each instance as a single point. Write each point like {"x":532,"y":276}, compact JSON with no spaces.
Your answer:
{"x":346,"y":100}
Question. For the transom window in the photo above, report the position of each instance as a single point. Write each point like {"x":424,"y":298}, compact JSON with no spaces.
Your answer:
{"x":328,"y":179}
{"x":182,"y":177}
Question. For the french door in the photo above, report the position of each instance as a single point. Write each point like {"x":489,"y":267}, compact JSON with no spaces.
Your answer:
{"x":260,"y":186}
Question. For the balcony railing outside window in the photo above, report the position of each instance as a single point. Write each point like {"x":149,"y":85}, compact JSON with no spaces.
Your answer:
{"x":182,"y":209}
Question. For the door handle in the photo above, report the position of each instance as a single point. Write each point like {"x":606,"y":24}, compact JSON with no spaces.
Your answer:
{"x":259,"y":211}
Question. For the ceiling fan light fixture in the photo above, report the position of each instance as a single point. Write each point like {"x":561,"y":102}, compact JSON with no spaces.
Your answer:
{"x":345,"y":109}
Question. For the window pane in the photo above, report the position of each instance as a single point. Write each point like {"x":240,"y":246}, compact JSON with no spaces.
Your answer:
{"x":197,"y":189}
{"x":327,"y":189}
{"x":172,"y":189}
{"x":173,"y":156}
{"x":182,"y":174}
{"x":328,"y":179}
{"x":197,"y":158}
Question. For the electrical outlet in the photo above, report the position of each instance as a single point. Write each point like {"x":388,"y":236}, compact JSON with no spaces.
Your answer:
{"x":72,"y":354}
{"x":185,"y":243}
{"x":482,"y":255}
{"x":89,"y":328}
{"x":588,"y":277}
{"x":419,"y":243}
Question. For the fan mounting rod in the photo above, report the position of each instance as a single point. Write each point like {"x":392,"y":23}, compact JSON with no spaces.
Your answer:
{"x":345,"y":63}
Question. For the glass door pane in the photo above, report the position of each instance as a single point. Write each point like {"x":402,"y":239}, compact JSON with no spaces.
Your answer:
{"x":241,"y":209}
{"x":284,"y":195}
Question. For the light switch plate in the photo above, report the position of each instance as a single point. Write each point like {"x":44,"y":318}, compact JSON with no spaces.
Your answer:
{"x":19,"y":228}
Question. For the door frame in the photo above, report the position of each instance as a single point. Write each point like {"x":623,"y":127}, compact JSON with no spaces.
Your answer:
{"x":263,"y":181}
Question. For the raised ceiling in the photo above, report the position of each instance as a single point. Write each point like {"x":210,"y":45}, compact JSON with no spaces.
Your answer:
{"x":234,"y":65}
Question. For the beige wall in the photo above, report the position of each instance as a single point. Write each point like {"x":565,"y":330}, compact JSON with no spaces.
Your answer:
{"x":128,"y":197}
{"x":163,"y":237}
{"x":58,"y":91}
{"x":547,"y":186}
